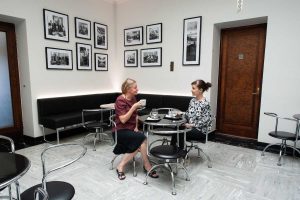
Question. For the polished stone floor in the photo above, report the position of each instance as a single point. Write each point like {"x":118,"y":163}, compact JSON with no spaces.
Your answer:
{"x":237,"y":173}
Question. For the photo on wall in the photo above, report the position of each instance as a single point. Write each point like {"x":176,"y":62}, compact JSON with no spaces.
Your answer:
{"x":56,"y":26}
{"x":82,"y":28}
{"x":84,"y":56}
{"x":191,"y":41}
{"x":101,"y":62}
{"x":133,"y":36}
{"x":59,"y":58}
{"x":154,"y":33}
{"x":151,"y":57}
{"x":100,"y":36}
{"x":131,"y":58}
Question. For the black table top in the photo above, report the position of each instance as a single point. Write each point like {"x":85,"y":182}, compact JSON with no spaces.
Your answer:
{"x":163,"y":121}
{"x":12,"y":167}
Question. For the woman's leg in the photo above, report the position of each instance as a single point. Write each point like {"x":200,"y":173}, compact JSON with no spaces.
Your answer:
{"x":143,"y":150}
{"x":126,"y":158}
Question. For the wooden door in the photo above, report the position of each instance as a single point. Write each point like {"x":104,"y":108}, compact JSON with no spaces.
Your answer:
{"x":10,"y":108}
{"x":240,"y":79}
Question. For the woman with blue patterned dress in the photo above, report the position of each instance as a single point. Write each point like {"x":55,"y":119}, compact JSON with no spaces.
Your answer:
{"x":198,"y":115}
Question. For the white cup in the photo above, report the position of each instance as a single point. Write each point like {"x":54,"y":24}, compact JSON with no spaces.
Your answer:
{"x":143,"y":102}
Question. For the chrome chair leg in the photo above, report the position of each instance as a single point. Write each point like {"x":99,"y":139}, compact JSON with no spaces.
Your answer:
{"x":134,"y":169}
{"x":263,"y":152}
{"x":18,"y":190}
{"x":173,"y":183}
{"x":112,"y":162}
{"x":209,"y":163}
{"x":280,"y":155}
{"x":9,"y":193}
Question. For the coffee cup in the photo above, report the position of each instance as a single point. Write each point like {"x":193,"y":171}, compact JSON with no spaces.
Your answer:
{"x":143,"y":102}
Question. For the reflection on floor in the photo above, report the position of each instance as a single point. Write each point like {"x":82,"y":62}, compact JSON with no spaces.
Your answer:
{"x":237,"y":173}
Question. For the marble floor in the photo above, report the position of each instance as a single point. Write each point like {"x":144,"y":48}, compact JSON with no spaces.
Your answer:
{"x":237,"y":173}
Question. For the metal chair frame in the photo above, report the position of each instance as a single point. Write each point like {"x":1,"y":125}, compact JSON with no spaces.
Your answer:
{"x":283,"y":145}
{"x":112,"y":121}
{"x":168,"y":163}
{"x":12,"y":150}
{"x":194,"y":144}
{"x":99,"y":131}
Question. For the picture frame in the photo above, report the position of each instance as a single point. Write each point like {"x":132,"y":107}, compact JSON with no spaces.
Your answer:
{"x":56,"y":26}
{"x":61,"y":59}
{"x":82,"y":28}
{"x":151,"y":57}
{"x":131,"y":58}
{"x":154,"y":33}
{"x":101,"y":62}
{"x":133,"y":36}
{"x":84,"y":56}
{"x":191,"y":41}
{"x":100,"y":36}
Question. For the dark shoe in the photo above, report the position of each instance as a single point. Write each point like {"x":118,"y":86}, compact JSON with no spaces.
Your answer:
{"x":152,"y":174}
{"x":121,"y":175}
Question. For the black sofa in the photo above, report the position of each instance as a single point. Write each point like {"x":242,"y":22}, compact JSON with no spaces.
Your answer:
{"x":62,"y":113}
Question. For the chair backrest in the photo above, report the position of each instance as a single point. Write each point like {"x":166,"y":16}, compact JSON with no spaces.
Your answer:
{"x":94,"y":114}
{"x":112,"y":120}
{"x":12,"y":145}
{"x":40,"y":194}
{"x":282,"y":118}
{"x":43,"y":158}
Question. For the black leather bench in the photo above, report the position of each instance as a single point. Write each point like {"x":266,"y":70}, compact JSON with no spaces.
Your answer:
{"x":63,"y":113}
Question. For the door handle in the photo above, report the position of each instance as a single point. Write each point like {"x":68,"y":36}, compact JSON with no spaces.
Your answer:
{"x":257,"y":91}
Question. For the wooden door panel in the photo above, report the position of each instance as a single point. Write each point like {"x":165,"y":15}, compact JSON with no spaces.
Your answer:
{"x":242,"y":53}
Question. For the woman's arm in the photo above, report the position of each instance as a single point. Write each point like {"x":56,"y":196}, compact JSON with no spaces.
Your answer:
{"x":124,"y":118}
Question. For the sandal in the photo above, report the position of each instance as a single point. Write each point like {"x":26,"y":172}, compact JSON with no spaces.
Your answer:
{"x":121,"y":175}
{"x":152,"y":174}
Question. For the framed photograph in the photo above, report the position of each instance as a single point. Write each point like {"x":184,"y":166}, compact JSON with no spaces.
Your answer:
{"x":191,"y":41}
{"x":82,"y":28}
{"x":131,"y":58}
{"x":56,"y":26}
{"x":151,"y":57}
{"x":101,"y":62}
{"x":100,"y":36}
{"x":133,"y":36}
{"x":84,"y":56}
{"x":59,"y":58}
{"x":154,"y":33}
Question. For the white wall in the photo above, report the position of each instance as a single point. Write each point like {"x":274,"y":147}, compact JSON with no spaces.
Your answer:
{"x":281,"y":68}
{"x":35,"y":80}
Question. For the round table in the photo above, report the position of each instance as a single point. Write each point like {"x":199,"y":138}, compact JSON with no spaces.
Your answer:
{"x":13,"y":167}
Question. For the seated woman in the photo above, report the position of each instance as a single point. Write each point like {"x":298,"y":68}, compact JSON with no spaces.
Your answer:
{"x":198,"y":115}
{"x":130,"y":140}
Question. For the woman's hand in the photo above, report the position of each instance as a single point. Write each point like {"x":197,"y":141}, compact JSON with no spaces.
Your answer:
{"x":136,"y":129}
{"x":137,"y":105}
{"x":187,"y":125}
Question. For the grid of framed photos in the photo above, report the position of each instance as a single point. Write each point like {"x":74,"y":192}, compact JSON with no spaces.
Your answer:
{"x":150,"y":57}
{"x":56,"y":27}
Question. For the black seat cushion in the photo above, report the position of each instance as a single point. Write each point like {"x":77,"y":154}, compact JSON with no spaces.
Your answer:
{"x":57,"y":190}
{"x":283,"y":135}
{"x":167,"y":152}
{"x":95,"y":125}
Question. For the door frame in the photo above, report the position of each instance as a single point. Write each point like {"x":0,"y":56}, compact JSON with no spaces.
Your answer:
{"x":17,"y":130}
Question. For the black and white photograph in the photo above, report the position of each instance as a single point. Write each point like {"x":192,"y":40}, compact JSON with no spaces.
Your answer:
{"x":133,"y":36}
{"x":191,"y":41}
{"x":82,"y":28}
{"x":100,"y":36}
{"x":131,"y":58}
{"x":84,"y":56}
{"x":101,"y":62}
{"x":59,"y":58}
{"x":56,"y":26}
{"x":151,"y":57}
{"x":154,"y":33}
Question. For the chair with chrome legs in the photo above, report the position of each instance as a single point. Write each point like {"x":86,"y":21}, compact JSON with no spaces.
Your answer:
{"x":10,"y":149}
{"x":96,"y":127}
{"x":56,"y":190}
{"x":169,"y":156}
{"x":195,"y":144}
{"x":284,"y":136}
{"x":115,"y":137}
